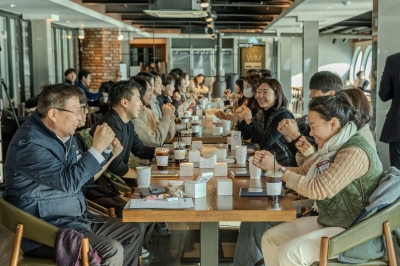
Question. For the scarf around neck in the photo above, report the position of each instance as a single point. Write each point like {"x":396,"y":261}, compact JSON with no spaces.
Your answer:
{"x":331,"y":147}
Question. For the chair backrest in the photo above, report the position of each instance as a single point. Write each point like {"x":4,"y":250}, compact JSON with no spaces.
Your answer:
{"x":34,"y":228}
{"x":366,"y":230}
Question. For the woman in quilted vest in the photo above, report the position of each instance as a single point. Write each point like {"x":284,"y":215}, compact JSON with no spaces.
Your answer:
{"x":341,"y":177}
{"x":263,"y":127}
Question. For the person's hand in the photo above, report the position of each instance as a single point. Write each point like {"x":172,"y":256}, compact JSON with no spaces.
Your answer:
{"x":103,"y":136}
{"x":258,"y":155}
{"x":233,"y":97}
{"x":176,"y":96}
{"x":267,"y":162}
{"x":244,"y":113}
{"x":220,"y":114}
{"x":227,"y":92}
{"x":166,"y":110}
{"x":288,"y":128}
{"x":172,"y":109}
{"x":117,"y":147}
{"x":304,"y":147}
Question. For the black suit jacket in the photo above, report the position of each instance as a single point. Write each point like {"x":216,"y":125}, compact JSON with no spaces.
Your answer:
{"x":390,"y":90}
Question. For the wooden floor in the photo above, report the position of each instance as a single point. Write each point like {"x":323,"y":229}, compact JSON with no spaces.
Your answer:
{"x":165,"y":251}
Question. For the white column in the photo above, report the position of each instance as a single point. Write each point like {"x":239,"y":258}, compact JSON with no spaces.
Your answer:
{"x":310,"y":57}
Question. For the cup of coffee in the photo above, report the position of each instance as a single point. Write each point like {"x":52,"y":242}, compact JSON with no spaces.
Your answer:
{"x":162,"y":158}
{"x":274,"y":185}
{"x":187,"y":137}
{"x":241,"y":153}
{"x":179,"y":152}
{"x":255,"y":172}
{"x":184,"y":119}
{"x":105,"y":99}
{"x":143,"y":176}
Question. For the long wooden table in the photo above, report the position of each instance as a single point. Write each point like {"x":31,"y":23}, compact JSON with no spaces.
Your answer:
{"x":207,"y":136}
{"x":212,"y":209}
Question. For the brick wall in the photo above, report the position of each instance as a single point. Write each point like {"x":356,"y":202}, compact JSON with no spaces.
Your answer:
{"x":100,"y":54}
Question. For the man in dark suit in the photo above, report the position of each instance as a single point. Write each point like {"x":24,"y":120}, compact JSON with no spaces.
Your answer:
{"x":390,"y":90}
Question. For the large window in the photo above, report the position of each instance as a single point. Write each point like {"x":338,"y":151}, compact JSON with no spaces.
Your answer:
{"x":368,"y":62}
{"x":201,"y":61}
{"x":15,"y":58}
{"x":63,"y":46}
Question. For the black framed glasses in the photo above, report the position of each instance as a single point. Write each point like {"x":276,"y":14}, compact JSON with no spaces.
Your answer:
{"x":79,"y":112}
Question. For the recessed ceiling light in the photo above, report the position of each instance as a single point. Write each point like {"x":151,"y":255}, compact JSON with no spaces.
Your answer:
{"x":67,"y":21}
{"x":328,"y":7}
{"x":82,"y":25}
{"x":13,"y":5}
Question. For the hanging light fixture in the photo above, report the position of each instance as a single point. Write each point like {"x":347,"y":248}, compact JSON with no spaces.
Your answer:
{"x":81,"y":33}
{"x":120,"y":36}
{"x":205,"y":3}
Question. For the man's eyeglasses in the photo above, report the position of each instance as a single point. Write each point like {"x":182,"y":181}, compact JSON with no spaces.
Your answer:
{"x":79,"y":112}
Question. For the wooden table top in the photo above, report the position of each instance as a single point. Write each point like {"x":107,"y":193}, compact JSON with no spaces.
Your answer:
{"x":207,"y":134}
{"x":214,"y":208}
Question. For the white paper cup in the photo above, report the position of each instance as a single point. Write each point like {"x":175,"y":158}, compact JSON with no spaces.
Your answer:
{"x":221,"y":154}
{"x":143,"y":176}
{"x":255,"y":172}
{"x":241,"y":152}
{"x":188,"y":113}
{"x":226,"y":125}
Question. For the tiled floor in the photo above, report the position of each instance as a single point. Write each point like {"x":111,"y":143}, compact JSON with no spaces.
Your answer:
{"x":165,"y":251}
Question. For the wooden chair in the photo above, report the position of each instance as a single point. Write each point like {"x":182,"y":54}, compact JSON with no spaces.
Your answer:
{"x":98,"y":209}
{"x":377,"y":225}
{"x":28,"y":226}
{"x":92,"y":112}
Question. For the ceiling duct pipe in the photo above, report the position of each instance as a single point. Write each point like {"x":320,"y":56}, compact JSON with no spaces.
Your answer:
{"x":219,"y":84}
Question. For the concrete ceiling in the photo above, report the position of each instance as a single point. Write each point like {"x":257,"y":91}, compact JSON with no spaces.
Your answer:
{"x":67,"y":13}
{"x":326,"y":12}
{"x":244,"y":16}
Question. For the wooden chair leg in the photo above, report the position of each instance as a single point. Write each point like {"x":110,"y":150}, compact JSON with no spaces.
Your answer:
{"x":111,"y":212}
{"x":140,"y":261}
{"x":84,"y":252}
{"x":389,"y":244}
{"x":17,"y":245}
{"x":323,"y":251}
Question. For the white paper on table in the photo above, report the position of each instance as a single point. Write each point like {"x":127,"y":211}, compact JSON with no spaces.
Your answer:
{"x":182,"y":203}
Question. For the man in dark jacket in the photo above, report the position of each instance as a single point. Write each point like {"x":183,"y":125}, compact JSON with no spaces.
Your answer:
{"x":84,"y":80}
{"x":125,"y":105}
{"x":116,"y":76}
{"x":390,"y":90}
{"x":45,"y":171}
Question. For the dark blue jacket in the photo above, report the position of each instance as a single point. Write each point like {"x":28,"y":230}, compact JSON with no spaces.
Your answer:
{"x":44,"y":176}
{"x":91,"y":96}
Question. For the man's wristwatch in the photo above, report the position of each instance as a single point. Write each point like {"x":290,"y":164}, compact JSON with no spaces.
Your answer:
{"x":282,"y":169}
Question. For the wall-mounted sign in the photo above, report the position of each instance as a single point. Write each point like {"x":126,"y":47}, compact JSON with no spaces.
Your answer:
{"x":252,"y":58}
{"x":3,"y":34}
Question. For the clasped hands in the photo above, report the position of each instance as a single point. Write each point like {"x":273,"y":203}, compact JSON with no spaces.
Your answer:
{"x":265,"y":161}
{"x":103,"y":137}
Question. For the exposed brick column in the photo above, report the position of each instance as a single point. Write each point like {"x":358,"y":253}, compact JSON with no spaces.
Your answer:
{"x":100,"y":54}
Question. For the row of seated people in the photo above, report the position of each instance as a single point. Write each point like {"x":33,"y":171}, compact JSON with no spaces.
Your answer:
{"x":62,"y":110}
{"x":317,"y":158}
